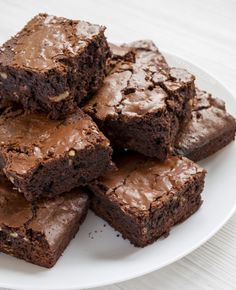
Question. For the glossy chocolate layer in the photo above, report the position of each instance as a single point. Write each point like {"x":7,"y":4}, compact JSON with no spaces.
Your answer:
{"x":140,"y":181}
{"x":47,"y":40}
{"x":209,"y":121}
{"x":137,"y":86}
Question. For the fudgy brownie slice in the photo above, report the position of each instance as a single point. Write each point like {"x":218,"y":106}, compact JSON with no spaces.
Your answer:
{"x":142,"y":101}
{"x":53,"y":63}
{"x":39,"y":233}
{"x":146,"y":197}
{"x":209,"y":129}
{"x":44,"y":157}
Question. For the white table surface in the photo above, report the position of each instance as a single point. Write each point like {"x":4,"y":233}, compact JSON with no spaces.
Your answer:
{"x":200,"y":31}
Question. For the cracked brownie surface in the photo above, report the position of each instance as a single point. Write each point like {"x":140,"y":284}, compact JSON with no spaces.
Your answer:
{"x":44,"y":157}
{"x":145,"y":197}
{"x":39,"y":232}
{"x":53,"y":63}
{"x":209,"y":129}
{"x":143,"y":100}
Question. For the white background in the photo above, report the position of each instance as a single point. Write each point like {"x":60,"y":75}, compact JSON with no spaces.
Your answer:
{"x":200,"y":31}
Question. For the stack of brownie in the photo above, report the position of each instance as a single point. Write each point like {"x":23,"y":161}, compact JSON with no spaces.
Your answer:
{"x":48,"y":145}
{"x":65,"y":96}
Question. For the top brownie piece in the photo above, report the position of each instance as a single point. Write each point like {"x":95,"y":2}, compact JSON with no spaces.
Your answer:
{"x":142,"y":100}
{"x":53,"y":63}
{"x":209,"y":129}
{"x":44,"y":157}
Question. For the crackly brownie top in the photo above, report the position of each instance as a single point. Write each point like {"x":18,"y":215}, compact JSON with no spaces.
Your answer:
{"x":48,"y":218}
{"x":46,"y":41}
{"x":140,"y":182}
{"x":209,"y":119}
{"x":29,"y":139}
{"x":137,"y":85}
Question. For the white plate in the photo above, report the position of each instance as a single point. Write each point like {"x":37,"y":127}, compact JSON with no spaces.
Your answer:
{"x":98,"y":257}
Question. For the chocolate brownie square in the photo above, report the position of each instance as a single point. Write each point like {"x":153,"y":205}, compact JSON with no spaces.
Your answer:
{"x":53,"y":63}
{"x":146,"y":197}
{"x":39,"y":233}
{"x":44,"y":157}
{"x":142,"y":101}
{"x":209,"y":129}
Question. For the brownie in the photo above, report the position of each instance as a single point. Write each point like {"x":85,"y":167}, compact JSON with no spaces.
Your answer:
{"x":39,"y":233}
{"x":210,"y":128}
{"x":142,"y":101}
{"x":53,"y":63}
{"x":146,"y":197}
{"x":44,"y":157}
{"x":119,"y":53}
